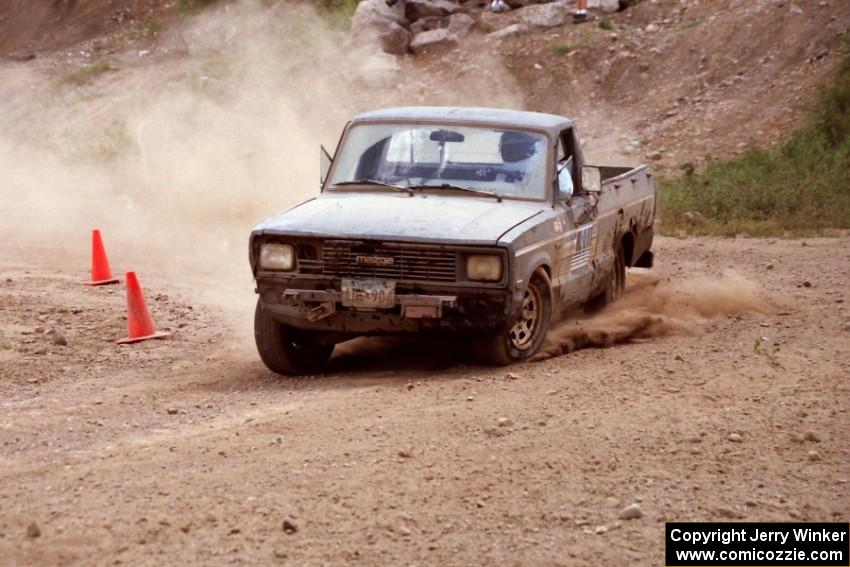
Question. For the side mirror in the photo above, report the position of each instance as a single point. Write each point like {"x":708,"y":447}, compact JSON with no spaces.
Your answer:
{"x":325,"y":161}
{"x":591,"y":179}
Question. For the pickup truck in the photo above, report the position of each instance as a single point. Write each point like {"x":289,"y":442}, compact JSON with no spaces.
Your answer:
{"x":484,"y":224}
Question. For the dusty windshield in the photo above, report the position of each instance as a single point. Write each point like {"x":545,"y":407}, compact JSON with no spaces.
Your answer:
{"x":507,"y":162}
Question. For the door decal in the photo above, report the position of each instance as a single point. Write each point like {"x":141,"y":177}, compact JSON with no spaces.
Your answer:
{"x":584,"y":246}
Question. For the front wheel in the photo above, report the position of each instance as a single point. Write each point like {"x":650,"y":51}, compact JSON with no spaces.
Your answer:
{"x":524,"y":335}
{"x":287,"y":350}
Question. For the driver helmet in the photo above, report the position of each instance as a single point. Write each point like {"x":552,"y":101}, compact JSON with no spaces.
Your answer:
{"x":516,"y":146}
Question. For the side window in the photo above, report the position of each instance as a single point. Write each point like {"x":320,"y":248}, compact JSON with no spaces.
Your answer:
{"x":566,"y":186}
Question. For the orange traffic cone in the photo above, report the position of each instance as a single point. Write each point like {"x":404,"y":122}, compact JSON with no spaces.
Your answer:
{"x":101,"y":273}
{"x":139,"y":324}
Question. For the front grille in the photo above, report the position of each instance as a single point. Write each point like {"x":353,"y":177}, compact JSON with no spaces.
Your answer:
{"x":400,"y":262}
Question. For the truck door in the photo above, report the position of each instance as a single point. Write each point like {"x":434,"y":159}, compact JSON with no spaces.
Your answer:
{"x":575,"y":267}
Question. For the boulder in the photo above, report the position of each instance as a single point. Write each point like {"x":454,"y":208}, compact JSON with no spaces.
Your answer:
{"x":374,"y":12}
{"x":461,"y":24}
{"x":544,"y":15}
{"x":510,"y":31}
{"x":394,"y":39}
{"x":376,"y":25}
{"x":607,"y":5}
{"x":488,"y":21}
{"x":433,"y":40}
{"x":429,"y":23}
{"x":417,"y":9}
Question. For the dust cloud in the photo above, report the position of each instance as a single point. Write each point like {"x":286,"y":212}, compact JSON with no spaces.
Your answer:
{"x":176,"y":156}
{"x":654,"y":307}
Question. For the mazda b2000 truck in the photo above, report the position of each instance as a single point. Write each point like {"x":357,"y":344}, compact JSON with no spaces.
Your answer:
{"x":479,"y":223}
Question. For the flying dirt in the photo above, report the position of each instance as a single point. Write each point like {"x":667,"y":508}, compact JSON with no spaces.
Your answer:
{"x":652,"y":307}
{"x":720,"y":394}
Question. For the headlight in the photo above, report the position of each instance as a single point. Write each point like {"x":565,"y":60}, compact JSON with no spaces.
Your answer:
{"x":277,"y":257}
{"x":484,"y":268}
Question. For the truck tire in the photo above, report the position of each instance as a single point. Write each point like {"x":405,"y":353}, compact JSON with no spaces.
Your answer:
{"x":287,"y":350}
{"x":615,"y":285}
{"x":522,"y":337}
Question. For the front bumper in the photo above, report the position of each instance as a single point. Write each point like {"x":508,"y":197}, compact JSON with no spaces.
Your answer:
{"x":414,"y":312}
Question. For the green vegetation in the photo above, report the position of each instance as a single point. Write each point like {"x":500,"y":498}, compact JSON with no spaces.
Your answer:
{"x":799,"y":187}
{"x":560,"y":48}
{"x":688,"y":24}
{"x":192,"y":5}
{"x":336,"y":12}
{"x":86,"y":73}
{"x":606,"y":24}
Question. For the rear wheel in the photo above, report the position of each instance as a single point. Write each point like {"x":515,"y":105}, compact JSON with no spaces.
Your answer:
{"x":615,"y":285}
{"x":524,"y":335}
{"x":287,"y":350}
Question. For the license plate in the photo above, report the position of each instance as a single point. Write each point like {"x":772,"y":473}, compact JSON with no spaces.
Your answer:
{"x":368,"y":294}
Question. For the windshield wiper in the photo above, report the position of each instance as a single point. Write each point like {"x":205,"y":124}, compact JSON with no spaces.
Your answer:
{"x":376,"y":183}
{"x":451,"y":187}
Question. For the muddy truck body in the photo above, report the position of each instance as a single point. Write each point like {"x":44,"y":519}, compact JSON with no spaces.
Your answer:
{"x":481,"y":223}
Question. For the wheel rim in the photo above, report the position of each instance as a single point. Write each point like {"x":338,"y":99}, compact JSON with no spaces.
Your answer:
{"x":525,"y":329}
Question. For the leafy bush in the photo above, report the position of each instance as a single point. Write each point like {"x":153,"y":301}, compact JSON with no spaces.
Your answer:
{"x":800,"y":186}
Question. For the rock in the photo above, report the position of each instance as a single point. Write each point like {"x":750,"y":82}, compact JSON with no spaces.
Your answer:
{"x":418,"y":9}
{"x":289,"y":527}
{"x":512,"y":376}
{"x":735,"y":438}
{"x":812,"y":436}
{"x":813,"y":456}
{"x":608,"y":6}
{"x":375,"y":24}
{"x":33,"y":530}
{"x":404,"y":532}
{"x":807,"y":284}
{"x":631,"y":512}
{"x":405,"y":454}
{"x":727,"y":512}
{"x":461,"y":24}
{"x":172,"y":411}
{"x":488,"y":21}
{"x":504,"y":422}
{"x":544,"y":15}
{"x":510,"y":31}
{"x":369,"y":12}
{"x":654,"y":156}
{"x":57,"y":337}
{"x":427,"y":24}
{"x":394,"y":39}
{"x":693,"y":217}
{"x":600,"y":529}
{"x":433,"y":40}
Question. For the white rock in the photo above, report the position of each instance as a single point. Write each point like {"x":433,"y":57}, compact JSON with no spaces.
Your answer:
{"x":433,"y":40}
{"x":631,"y":512}
{"x":544,"y":15}
{"x":510,"y":31}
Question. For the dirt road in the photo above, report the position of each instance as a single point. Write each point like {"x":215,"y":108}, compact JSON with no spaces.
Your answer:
{"x":189,"y":451}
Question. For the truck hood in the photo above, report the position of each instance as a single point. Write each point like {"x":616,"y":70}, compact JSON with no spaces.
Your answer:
{"x":397,"y":216}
